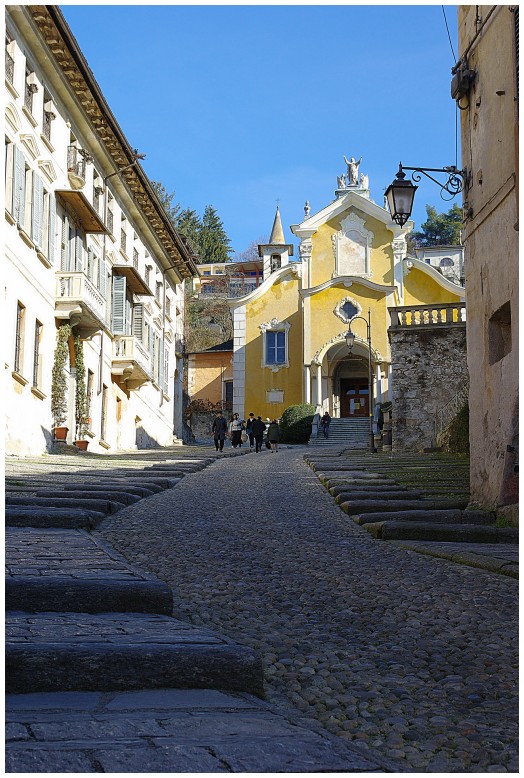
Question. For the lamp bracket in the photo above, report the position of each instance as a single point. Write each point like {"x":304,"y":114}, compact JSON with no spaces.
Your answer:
{"x":454,"y":184}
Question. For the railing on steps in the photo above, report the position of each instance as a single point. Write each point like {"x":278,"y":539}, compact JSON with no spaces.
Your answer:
{"x":449,"y":411}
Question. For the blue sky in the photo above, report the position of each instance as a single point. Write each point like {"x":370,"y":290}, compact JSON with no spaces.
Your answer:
{"x":238,"y":106}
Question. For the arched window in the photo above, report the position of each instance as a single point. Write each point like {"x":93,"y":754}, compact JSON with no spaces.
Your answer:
{"x":446,"y":262}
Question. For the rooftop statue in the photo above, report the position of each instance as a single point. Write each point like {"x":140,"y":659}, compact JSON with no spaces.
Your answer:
{"x":353,"y":166}
{"x":364,"y":181}
{"x":341,"y":181}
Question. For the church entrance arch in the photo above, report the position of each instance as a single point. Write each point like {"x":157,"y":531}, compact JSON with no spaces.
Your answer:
{"x":349,"y":374}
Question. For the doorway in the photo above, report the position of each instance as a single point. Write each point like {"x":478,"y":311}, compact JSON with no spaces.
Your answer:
{"x":354,"y":397}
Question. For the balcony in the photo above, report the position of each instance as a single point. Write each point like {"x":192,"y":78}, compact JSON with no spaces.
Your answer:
{"x":79,"y":301}
{"x":434,"y":315}
{"x":76,"y":167}
{"x":131,"y":361}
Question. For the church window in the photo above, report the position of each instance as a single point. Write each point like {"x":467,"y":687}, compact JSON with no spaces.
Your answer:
{"x":275,"y":348}
{"x":349,"y":310}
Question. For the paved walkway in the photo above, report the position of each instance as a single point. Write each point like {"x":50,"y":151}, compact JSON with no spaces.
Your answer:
{"x":408,"y":655}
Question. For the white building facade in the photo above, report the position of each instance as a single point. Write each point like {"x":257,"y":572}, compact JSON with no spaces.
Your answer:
{"x":87,"y":244}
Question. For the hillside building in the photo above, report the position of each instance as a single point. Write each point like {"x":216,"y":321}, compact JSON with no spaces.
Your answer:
{"x":87,"y":244}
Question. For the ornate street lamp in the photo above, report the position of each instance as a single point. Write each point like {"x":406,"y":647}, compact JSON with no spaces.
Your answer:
{"x":350,"y":342}
{"x":400,"y":193}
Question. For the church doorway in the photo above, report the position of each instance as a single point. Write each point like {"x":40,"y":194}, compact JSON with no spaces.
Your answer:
{"x":354,"y":397}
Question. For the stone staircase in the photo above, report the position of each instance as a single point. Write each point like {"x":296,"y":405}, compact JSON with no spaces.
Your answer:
{"x":352,"y":433}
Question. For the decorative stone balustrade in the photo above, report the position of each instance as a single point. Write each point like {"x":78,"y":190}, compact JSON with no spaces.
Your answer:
{"x":428,"y":315}
{"x":128,"y":349}
{"x":73,"y":290}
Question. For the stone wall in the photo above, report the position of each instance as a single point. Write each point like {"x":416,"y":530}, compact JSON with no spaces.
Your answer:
{"x":429,"y":367}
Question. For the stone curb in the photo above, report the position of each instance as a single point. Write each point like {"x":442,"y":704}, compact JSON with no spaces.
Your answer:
{"x":463,"y":533}
{"x":464,"y":557}
{"x":52,"y":518}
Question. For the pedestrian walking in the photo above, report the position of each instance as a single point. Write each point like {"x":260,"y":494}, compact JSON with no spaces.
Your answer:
{"x":249,"y":429}
{"x":235,"y":427}
{"x":325,"y":421}
{"x":219,"y":430}
{"x":258,"y":428}
{"x":273,"y":435}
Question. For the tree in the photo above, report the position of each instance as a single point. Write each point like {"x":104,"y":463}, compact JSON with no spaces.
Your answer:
{"x":251,"y":253}
{"x":166,"y":200}
{"x":189,"y":224}
{"x":214,"y":243}
{"x":440,"y":229}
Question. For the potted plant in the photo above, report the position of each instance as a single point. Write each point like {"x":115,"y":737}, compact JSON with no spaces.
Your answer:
{"x":81,"y":404}
{"x":59,"y":383}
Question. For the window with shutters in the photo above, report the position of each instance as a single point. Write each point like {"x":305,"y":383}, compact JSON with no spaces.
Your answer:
{"x":138,"y":321}
{"x":165,"y":371}
{"x":9,"y":175}
{"x":118,"y":307}
{"x":19,"y":338}
{"x":37,"y":367}
{"x":19,"y":187}
{"x":37,"y":211}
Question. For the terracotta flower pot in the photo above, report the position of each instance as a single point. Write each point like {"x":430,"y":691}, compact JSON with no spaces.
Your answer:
{"x":60,"y":433}
{"x":82,"y":444}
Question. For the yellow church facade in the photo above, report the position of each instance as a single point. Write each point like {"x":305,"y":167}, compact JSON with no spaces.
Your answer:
{"x":289,"y":342}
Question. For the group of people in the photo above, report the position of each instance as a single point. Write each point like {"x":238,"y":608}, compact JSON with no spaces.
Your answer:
{"x":240,"y":431}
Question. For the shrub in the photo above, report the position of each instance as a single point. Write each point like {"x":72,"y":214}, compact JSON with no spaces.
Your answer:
{"x":295,"y":424}
{"x":59,"y":379}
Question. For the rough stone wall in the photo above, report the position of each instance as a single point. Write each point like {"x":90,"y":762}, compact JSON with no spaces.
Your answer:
{"x":429,"y":366}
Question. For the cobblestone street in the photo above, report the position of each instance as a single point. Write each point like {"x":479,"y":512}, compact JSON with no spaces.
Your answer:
{"x":409,"y":655}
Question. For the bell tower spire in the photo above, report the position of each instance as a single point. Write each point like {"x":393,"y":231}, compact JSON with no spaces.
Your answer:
{"x":276,"y":253}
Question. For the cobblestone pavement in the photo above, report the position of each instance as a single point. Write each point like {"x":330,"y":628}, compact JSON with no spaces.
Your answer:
{"x":409,"y":655}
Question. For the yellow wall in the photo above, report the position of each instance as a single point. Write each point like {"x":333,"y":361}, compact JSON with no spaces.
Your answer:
{"x":323,"y":257}
{"x":420,"y":288}
{"x":281,"y":301}
{"x":207,"y":371}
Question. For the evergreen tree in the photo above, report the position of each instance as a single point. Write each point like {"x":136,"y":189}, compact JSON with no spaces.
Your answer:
{"x":188,"y":223}
{"x":440,"y":229}
{"x":166,"y":200}
{"x":214,"y":243}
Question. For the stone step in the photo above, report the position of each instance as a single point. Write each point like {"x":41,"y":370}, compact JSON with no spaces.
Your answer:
{"x":371,"y":488}
{"x":122,"y":651}
{"x":363,"y":483}
{"x":376,"y":494}
{"x":68,"y":570}
{"x":171,"y":731}
{"x":432,"y":531}
{"x":101,"y":506}
{"x":109,"y":488}
{"x":123,"y":497}
{"x":453,"y":516}
{"x":354,"y":507}
{"x":67,"y":518}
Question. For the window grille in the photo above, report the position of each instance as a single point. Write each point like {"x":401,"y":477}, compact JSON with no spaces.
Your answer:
{"x":135,"y":258}
{"x":123,"y":237}
{"x":9,"y":63}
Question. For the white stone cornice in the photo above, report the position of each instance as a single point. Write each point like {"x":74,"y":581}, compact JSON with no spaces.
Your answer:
{"x":48,"y":169}
{"x":347,"y":281}
{"x":449,"y":286}
{"x":342,"y":204}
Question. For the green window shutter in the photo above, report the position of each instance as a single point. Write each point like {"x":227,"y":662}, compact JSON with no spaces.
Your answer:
{"x":19,"y":188}
{"x":51,"y":231}
{"x":138,"y":321}
{"x":102,"y":278}
{"x":64,"y":251}
{"x":37,"y":226}
{"x":165,"y":380}
{"x":79,"y":253}
{"x":91,"y":264}
{"x":118,"y":323}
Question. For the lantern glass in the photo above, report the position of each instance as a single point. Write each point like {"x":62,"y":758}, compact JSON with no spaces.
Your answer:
{"x":350,"y":340}
{"x":400,"y":195}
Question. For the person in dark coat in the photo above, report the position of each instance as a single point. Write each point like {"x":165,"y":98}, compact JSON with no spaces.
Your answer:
{"x":273,"y":435}
{"x":325,"y":421}
{"x":219,"y":430}
{"x":249,"y":429}
{"x":258,"y":428}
